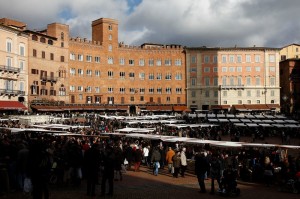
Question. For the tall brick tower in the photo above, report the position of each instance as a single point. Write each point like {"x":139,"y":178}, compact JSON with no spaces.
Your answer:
{"x":105,"y":31}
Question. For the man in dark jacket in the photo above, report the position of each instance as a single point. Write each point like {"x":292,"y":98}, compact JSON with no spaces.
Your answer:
{"x":215,"y":172}
{"x":39,"y":169}
{"x":91,"y":166}
{"x":108,"y":172}
{"x":155,"y":158}
{"x":201,"y":167}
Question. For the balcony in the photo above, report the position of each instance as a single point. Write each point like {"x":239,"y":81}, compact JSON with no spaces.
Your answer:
{"x":9,"y":69}
{"x":230,"y":87}
{"x":11,"y":92}
{"x":49,"y":79}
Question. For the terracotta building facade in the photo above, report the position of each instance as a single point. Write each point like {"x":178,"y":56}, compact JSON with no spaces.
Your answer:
{"x":232,"y":78}
{"x":63,"y":73}
{"x":104,"y":71}
{"x":48,"y":53}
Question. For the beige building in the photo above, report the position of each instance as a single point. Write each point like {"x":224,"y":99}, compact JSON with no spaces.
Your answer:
{"x":224,"y":78}
{"x":290,"y":51}
{"x":13,"y":66}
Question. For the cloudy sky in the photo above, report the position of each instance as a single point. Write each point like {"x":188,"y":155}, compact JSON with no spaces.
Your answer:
{"x":193,"y":23}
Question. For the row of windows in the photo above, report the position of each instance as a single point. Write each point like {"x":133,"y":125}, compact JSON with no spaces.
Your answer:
{"x":110,"y":74}
{"x":249,"y":93}
{"x":42,"y":39}
{"x":10,"y":85}
{"x":35,"y":90}
{"x":233,"y":58}
{"x":9,"y":47}
{"x":249,"y":102}
{"x":110,"y":100}
{"x":159,"y":90}
{"x":9,"y":64}
{"x":232,"y":81}
{"x":43,"y":55}
{"x":232,"y":69}
{"x":130,"y":62}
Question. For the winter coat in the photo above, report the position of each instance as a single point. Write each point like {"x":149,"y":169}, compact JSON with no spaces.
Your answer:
{"x":176,"y":161}
{"x":169,"y":156}
{"x":201,"y":164}
{"x":183,"y":159}
{"x":155,"y":156}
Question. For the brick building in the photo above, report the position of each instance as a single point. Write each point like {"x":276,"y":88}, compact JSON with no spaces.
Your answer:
{"x":233,"y":78}
{"x":290,"y":86}
{"x":48,"y":53}
{"x":104,"y":71}
{"x":103,"y":74}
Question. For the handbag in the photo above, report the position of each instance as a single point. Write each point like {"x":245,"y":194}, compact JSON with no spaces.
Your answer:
{"x":268,"y":173}
{"x":27,"y":185}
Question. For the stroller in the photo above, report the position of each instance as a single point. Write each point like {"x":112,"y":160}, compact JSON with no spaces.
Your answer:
{"x":229,"y":183}
{"x":292,"y":184}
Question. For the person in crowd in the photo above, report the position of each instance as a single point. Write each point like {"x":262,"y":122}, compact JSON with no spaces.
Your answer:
{"x":119,"y":162}
{"x":146,"y":151}
{"x":91,"y":168}
{"x":155,"y":159}
{"x":183,"y":162}
{"x":215,"y":172}
{"x":138,"y":156}
{"x":22,"y":165}
{"x":75,"y":157}
{"x":176,"y":164}
{"x":39,"y":170}
{"x":162,"y":155}
{"x":128,"y":155}
{"x":201,"y":167}
{"x":109,"y":159}
{"x":169,"y":159}
{"x":268,"y":171}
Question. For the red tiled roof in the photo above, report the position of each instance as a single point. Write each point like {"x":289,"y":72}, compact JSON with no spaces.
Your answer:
{"x":179,"y":108}
{"x":12,"y":105}
{"x":220,"y":106}
{"x":239,"y":106}
{"x":257,"y":106}
{"x":249,"y":107}
{"x":46,"y":108}
{"x":159,"y":108}
{"x":273,"y":106}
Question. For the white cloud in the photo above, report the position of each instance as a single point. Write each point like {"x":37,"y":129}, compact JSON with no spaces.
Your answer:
{"x":190,"y":22}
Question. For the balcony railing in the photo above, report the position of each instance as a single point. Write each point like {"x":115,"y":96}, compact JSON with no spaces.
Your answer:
{"x":11,"y":92}
{"x":49,"y":78}
{"x":9,"y":69}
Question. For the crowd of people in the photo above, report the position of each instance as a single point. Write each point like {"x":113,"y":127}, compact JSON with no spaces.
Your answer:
{"x":103,"y":160}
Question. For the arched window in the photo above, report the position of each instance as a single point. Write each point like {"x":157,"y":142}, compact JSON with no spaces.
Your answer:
{"x":50,"y":42}
{"x":42,"y":40}
{"x":34,"y":37}
{"x":62,"y":36}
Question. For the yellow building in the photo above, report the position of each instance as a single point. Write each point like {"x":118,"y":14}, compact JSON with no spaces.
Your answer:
{"x":290,"y":51}
{"x":13,"y":66}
